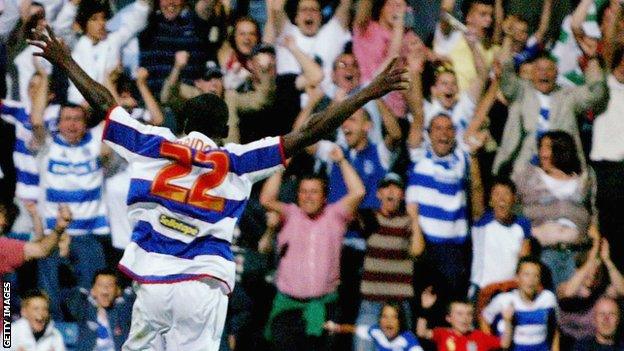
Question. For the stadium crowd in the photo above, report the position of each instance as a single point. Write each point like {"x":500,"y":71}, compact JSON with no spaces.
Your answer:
{"x":480,"y":209}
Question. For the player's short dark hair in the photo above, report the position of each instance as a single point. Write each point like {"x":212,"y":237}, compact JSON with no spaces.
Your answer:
{"x":88,"y":8}
{"x":207,"y":114}
{"x":33,"y":294}
{"x":544,"y":55}
{"x":317,"y":177}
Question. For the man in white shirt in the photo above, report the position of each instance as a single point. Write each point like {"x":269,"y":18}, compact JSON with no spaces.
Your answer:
{"x":324,"y":42}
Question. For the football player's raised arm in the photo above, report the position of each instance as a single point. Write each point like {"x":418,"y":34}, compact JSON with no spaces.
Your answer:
{"x":392,"y":78}
{"x":55,"y":51}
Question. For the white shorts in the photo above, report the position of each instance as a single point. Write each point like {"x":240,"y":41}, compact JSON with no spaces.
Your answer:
{"x":187,"y":316}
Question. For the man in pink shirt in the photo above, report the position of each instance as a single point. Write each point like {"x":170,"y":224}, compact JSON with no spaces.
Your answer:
{"x":309,"y":245}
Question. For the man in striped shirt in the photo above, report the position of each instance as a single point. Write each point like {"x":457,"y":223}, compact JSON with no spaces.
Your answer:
{"x":388,"y":267}
{"x":437,"y":193}
{"x":185,"y":198}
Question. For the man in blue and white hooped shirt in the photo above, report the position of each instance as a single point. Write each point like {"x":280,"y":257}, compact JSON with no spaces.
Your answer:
{"x":71,"y":173}
{"x":437,"y":191}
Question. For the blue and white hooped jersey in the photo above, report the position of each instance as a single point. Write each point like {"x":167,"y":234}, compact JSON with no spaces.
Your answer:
{"x":406,"y":341}
{"x":185,"y":198}
{"x":27,"y":172}
{"x":73,"y":175}
{"x":534,"y":321}
{"x":438,"y":185}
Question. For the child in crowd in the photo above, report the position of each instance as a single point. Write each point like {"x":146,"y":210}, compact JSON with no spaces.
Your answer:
{"x":35,"y":331}
{"x":461,"y":336}
{"x":534,"y":310}
{"x":390,"y":334}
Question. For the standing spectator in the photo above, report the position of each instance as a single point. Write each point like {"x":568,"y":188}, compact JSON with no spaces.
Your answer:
{"x":175,"y":92}
{"x":499,"y":239}
{"x":461,"y":335}
{"x":105,"y":307}
{"x":322,"y":42}
{"x":311,"y":234}
{"x":540,"y":105}
{"x":439,"y":182}
{"x":607,"y":321}
{"x":71,"y":173}
{"x":578,"y":296}
{"x":378,"y":35}
{"x":175,"y":27}
{"x":35,"y":331}
{"x":388,"y":267}
{"x":608,"y":160}
{"x":97,"y":51}
{"x":459,"y":46}
{"x":534,"y":310}
{"x":235,"y":54}
{"x":267,"y":104}
{"x":558,"y":197}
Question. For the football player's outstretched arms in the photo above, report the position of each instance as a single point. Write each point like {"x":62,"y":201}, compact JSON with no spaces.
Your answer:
{"x":55,"y":51}
{"x":393,"y":77}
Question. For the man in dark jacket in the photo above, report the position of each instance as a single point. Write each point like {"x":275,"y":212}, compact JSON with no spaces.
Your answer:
{"x":103,"y":314}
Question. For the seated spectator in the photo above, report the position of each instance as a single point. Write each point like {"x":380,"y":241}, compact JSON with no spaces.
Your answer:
{"x":535,"y":322}
{"x":461,"y":336}
{"x":103,"y":314}
{"x":388,"y":267}
{"x":540,"y":106}
{"x":466,"y":47}
{"x":35,"y":331}
{"x":175,"y":92}
{"x":97,"y":51}
{"x":235,"y":53}
{"x":175,"y":26}
{"x":315,"y":40}
{"x":578,"y":296}
{"x":499,"y":239}
{"x":606,"y":319}
{"x":391,"y":331}
{"x":311,"y":234}
{"x":437,"y":190}
{"x":558,"y":197}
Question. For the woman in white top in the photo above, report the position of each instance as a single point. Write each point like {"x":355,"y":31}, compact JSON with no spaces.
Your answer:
{"x":558,"y":197}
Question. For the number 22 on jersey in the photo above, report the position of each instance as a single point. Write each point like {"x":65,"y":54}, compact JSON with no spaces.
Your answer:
{"x":182,"y":166}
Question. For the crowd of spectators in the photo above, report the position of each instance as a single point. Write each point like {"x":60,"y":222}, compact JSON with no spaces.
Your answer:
{"x":479,"y":209}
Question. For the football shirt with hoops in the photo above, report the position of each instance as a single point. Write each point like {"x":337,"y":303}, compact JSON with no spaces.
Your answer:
{"x":185,"y":198}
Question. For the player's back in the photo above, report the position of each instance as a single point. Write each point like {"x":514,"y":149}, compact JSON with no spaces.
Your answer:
{"x":185,"y":198}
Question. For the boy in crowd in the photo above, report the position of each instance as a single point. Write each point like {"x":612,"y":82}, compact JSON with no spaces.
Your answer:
{"x":35,"y":331}
{"x":534,"y":317}
{"x":461,"y":336}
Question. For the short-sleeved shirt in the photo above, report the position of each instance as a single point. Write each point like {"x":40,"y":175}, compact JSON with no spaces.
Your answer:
{"x":496,"y":248}
{"x":11,"y":254}
{"x":310,"y":251}
{"x":447,"y":339}
{"x":186,"y":196}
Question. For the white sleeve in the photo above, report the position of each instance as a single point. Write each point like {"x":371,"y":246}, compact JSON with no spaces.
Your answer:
{"x":385,"y":155}
{"x":362,"y":332}
{"x":133,"y":20}
{"x":323,"y":149}
{"x":63,"y":22}
{"x":9,"y":18}
{"x":444,"y":44}
{"x":494,"y":308}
